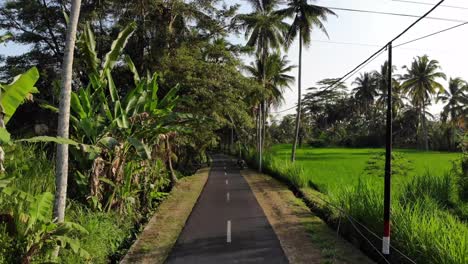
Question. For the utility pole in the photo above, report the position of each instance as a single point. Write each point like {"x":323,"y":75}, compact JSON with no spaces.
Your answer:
{"x":388,"y":158}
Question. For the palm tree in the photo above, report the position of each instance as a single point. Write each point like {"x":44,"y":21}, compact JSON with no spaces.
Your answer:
{"x":305,"y":18}
{"x":276,"y":76}
{"x":397,"y":93}
{"x":264,"y":29}
{"x":366,"y":91}
{"x":61,"y":170}
{"x":420,"y":83}
{"x":454,"y":98}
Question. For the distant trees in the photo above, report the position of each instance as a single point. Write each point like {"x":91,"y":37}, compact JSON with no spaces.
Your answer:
{"x":355,"y":116}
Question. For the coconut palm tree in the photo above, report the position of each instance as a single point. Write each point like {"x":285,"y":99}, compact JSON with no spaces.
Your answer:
{"x":420,"y":83}
{"x":454,"y":112}
{"x":365,"y":91}
{"x":305,"y":18}
{"x":277,"y":79}
{"x":264,"y":30}
{"x":397,"y":93}
{"x":61,"y":170}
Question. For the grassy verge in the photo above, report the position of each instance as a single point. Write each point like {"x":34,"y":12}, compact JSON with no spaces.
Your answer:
{"x":160,"y":234}
{"x":423,"y":224}
{"x":304,"y":237}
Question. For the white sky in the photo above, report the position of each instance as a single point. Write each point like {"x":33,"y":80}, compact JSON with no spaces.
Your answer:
{"x":327,"y":60}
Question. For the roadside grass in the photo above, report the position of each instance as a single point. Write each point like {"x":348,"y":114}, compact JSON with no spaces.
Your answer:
{"x":426,"y":211}
{"x":160,"y":234}
{"x":305,"y":237}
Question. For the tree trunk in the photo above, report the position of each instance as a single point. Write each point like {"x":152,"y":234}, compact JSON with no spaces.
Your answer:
{"x":169,"y":162}
{"x":265,"y":116}
{"x":260,"y":142}
{"x":299,"y":97}
{"x":61,"y":171}
{"x":424,"y":127}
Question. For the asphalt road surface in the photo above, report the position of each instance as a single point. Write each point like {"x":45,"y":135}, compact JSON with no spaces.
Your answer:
{"x":227,"y":225}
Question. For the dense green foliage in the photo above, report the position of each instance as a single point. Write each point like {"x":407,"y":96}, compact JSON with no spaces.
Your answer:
{"x":157,"y":84}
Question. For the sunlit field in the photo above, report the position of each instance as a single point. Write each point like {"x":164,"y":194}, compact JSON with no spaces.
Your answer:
{"x":332,"y":168}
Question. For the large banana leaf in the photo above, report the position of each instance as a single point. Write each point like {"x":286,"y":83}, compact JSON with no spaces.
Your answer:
{"x":87,"y":45}
{"x":4,"y":136}
{"x":153,"y":86}
{"x":76,"y":106}
{"x":120,"y":116}
{"x":60,"y":140}
{"x":170,"y":100}
{"x":112,"y":89}
{"x":142,"y":149}
{"x":14,"y":94}
{"x":133,"y":69}
{"x":117,"y":47}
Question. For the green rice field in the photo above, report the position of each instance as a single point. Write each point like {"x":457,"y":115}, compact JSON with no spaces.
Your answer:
{"x":333,"y":168}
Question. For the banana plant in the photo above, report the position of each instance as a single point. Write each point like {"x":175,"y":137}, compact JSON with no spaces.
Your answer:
{"x":11,"y":96}
{"x":35,"y":232}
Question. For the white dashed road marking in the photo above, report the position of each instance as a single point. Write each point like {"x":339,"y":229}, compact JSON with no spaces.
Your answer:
{"x":228,"y":237}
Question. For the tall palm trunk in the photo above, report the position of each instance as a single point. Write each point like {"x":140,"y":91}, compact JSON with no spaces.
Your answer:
{"x":424,"y":127}
{"x":61,"y":171}
{"x":262,"y":105}
{"x":299,"y":97}
{"x":426,"y":137}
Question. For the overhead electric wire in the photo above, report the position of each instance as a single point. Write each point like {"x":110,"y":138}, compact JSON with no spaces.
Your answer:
{"x":423,"y":3}
{"x":393,"y":14}
{"x":278,"y":112}
{"x":347,"y":75}
{"x":369,"y":45}
{"x":430,"y":35}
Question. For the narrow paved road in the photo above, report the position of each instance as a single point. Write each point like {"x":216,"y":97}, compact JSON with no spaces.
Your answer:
{"x":227,"y":224}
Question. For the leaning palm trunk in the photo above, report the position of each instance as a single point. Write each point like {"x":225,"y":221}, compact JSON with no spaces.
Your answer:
{"x":298,"y":115}
{"x":64,"y":114}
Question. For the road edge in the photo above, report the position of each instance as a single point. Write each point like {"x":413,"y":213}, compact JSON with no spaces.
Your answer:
{"x":159,"y":236}
{"x":304,"y":236}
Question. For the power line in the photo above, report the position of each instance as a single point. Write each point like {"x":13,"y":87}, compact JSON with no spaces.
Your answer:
{"x":393,"y":14}
{"x":430,"y":35}
{"x":278,"y":112}
{"x":423,"y":3}
{"x":368,"y":44}
{"x":365,"y":62}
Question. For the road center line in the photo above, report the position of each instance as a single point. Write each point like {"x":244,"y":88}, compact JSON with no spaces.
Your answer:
{"x":228,"y":197}
{"x":225,"y":173}
{"x":227,"y":182}
{"x":228,"y":237}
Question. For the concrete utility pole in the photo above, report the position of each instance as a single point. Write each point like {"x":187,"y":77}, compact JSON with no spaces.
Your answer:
{"x":388,"y":158}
